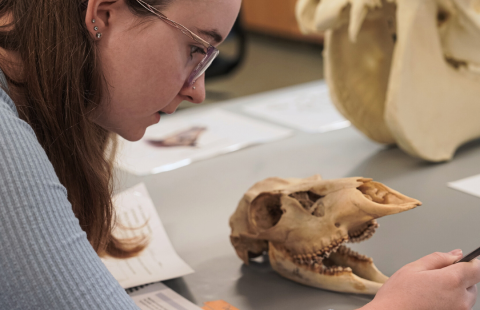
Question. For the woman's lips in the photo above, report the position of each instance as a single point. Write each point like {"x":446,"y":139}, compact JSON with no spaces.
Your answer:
{"x":172,"y":107}
{"x":157,"y":117}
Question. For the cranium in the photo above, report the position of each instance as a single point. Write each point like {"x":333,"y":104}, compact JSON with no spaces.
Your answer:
{"x":403,"y":71}
{"x":304,"y":224}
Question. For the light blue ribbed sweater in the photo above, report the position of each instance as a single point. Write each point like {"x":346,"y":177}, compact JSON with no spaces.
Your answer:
{"x":46,"y":261}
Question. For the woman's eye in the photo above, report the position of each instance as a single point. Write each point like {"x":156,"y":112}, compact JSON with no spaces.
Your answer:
{"x":195,"y":49}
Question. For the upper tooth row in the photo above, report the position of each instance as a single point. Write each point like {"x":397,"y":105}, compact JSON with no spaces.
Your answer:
{"x":320,"y":255}
{"x":370,"y":226}
{"x":349,"y":252}
{"x":365,"y":234}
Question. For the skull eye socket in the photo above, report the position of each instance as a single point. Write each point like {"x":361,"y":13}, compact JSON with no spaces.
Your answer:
{"x":266,"y":211}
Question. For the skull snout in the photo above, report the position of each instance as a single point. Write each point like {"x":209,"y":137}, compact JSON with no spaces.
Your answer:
{"x":381,"y":200}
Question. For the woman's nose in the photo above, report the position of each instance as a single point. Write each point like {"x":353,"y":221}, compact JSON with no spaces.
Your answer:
{"x":195,"y":93}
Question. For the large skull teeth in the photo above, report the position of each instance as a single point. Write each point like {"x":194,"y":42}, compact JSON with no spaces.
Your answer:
{"x":395,"y":96}
{"x":364,"y":233}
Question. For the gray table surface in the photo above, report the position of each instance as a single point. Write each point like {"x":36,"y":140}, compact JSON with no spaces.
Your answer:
{"x":196,"y":201}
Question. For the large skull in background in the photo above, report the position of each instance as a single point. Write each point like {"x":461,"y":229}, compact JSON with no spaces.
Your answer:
{"x":403,"y":71}
{"x":304,"y":224}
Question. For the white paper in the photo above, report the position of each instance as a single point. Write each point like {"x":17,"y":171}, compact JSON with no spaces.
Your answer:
{"x":159,"y":297}
{"x":223,"y":132}
{"x":469,"y":185}
{"x":158,"y":261}
{"x":306,"y":107}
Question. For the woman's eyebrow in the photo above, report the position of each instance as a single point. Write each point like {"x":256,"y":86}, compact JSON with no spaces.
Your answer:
{"x":213,"y":34}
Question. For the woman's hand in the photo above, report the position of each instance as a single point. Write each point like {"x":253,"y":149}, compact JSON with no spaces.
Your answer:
{"x":431,"y":282}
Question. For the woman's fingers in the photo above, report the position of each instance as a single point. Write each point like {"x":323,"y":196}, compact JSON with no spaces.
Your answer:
{"x":469,"y":273}
{"x":436,"y":260}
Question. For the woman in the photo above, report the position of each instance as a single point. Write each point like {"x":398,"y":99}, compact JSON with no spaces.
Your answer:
{"x":74,"y":74}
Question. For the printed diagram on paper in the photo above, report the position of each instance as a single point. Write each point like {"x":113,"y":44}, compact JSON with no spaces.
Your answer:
{"x":160,"y":297}
{"x":180,"y":139}
{"x":158,"y":261}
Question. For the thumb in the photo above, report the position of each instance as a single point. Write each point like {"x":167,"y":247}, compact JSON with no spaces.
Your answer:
{"x":437,"y":260}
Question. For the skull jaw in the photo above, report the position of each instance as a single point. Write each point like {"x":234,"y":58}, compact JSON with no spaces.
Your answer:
{"x":340,"y":281}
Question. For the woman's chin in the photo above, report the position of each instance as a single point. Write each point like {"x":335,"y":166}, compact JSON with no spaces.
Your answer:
{"x":134,"y":131}
{"x":133,"y":135}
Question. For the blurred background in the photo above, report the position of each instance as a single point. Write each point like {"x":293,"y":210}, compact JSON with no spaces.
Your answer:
{"x":264,"y":51}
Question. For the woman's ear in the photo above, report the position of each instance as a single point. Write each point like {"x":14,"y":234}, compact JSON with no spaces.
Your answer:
{"x":99,"y":16}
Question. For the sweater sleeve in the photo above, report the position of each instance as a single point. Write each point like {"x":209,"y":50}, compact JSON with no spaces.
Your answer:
{"x":46,"y":261}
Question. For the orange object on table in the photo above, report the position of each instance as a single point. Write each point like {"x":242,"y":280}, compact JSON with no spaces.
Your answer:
{"x":218,"y":305}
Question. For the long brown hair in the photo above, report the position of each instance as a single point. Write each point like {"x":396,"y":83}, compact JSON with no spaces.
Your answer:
{"x":60,"y":83}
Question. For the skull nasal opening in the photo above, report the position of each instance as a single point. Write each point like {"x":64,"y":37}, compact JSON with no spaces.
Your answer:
{"x":379,"y":193}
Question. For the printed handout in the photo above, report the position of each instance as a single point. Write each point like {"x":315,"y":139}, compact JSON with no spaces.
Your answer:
{"x":469,"y":185}
{"x":180,"y":139}
{"x":306,"y":107}
{"x":159,"y":261}
{"x":158,"y":296}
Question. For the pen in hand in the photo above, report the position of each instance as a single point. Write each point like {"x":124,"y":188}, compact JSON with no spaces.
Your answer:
{"x":470,"y":256}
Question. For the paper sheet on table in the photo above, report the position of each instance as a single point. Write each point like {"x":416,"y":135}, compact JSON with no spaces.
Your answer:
{"x":158,"y":261}
{"x":159,"y":297}
{"x":469,"y":185}
{"x":205,"y":135}
{"x":306,"y":107}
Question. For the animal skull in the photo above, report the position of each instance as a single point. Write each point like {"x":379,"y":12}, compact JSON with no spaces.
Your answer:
{"x":403,"y":71}
{"x":304,"y":224}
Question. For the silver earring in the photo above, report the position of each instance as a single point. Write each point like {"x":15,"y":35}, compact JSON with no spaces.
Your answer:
{"x":194,"y":87}
{"x":93,"y":21}
{"x":95,"y":28}
{"x":99,"y":35}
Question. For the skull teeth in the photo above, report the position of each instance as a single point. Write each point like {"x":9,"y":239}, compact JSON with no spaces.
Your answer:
{"x":307,"y":259}
{"x":337,"y":269}
{"x":333,"y":270}
{"x":364,"y":233}
{"x":312,"y":258}
{"x":348,"y":252}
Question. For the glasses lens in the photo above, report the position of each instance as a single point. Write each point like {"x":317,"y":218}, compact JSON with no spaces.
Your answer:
{"x":212,"y":53}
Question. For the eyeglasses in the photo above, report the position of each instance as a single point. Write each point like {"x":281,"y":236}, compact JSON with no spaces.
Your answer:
{"x":210,"y":54}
